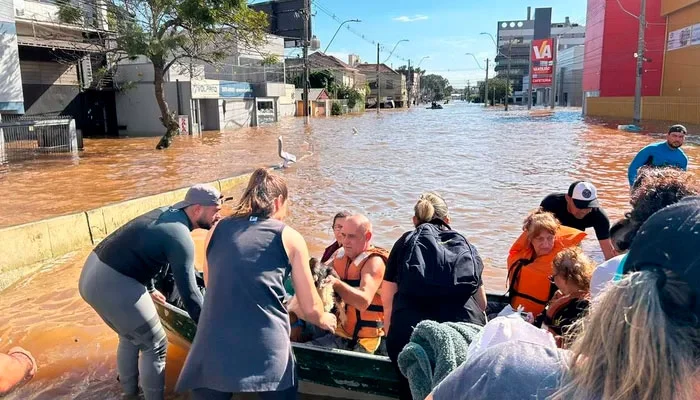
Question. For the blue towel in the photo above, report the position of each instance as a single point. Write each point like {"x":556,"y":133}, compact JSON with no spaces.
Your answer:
{"x":435,"y":350}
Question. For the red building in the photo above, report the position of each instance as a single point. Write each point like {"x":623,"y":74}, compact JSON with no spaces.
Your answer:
{"x":609,"y":65}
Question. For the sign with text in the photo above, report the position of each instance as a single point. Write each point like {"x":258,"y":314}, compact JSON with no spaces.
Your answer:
{"x":230,"y":89}
{"x":547,"y":69}
{"x":542,"y":50}
{"x":207,"y":89}
{"x":542,"y":81}
{"x":542,"y":53}
{"x":679,"y":38}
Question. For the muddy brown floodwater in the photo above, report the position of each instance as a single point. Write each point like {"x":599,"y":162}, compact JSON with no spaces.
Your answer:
{"x":491,"y":167}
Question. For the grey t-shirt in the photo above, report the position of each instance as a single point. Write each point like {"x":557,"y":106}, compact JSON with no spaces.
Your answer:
{"x":509,"y":370}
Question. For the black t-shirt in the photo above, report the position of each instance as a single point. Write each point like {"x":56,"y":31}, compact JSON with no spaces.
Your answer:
{"x":597,"y":218}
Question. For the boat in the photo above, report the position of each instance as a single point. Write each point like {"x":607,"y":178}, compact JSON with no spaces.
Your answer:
{"x":629,"y":128}
{"x":325,"y":372}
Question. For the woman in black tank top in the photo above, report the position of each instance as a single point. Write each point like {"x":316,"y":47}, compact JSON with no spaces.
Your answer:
{"x":242,"y":342}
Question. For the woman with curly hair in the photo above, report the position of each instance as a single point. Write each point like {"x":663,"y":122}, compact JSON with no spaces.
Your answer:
{"x":571,"y":273}
{"x":654,"y":189}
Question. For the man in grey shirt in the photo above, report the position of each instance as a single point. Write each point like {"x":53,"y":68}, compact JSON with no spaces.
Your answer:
{"x":117,"y":282}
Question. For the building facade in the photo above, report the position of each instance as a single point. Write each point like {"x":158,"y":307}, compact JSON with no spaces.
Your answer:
{"x":569,"y":77}
{"x":392,"y":87}
{"x":681,"y":69}
{"x":514,"y":38}
{"x":611,"y":45}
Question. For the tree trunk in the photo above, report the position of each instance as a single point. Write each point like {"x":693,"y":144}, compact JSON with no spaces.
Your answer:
{"x":166,"y":117}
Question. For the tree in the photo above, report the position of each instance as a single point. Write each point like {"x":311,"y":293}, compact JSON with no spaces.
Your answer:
{"x":168,"y":32}
{"x":499,"y":85}
{"x":323,"y":79}
{"x":435,"y":86}
{"x":353,"y":96}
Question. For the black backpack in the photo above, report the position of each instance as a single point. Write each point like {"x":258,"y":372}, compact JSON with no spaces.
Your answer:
{"x":439,"y":262}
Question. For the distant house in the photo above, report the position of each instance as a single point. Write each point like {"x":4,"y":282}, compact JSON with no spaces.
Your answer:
{"x":343,"y":73}
{"x":319,"y":103}
{"x":393,"y":85}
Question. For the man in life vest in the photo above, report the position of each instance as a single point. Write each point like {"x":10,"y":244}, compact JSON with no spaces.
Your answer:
{"x":360,"y":267}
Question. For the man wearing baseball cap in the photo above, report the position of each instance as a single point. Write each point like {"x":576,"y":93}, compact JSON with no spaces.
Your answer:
{"x":117,"y":282}
{"x":579,"y":208}
{"x":661,"y":154}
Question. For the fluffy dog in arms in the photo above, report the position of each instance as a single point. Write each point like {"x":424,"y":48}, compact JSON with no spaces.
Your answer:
{"x":331,"y":301}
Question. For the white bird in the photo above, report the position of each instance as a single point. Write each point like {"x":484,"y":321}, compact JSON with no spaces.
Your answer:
{"x":287,"y":158}
{"x":354,"y":131}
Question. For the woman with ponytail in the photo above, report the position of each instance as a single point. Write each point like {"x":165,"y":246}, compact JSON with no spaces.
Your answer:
{"x":405,"y":306}
{"x":242,"y":343}
{"x":640,"y":341}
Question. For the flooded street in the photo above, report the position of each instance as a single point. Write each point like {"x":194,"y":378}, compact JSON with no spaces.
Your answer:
{"x":492,"y":168}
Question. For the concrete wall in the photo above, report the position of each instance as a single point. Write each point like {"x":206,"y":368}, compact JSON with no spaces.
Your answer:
{"x":660,"y":108}
{"x":26,"y":246}
{"x":138,"y":112}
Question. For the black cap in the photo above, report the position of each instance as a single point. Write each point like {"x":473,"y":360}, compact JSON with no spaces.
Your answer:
{"x":668,"y":240}
{"x":678,"y":128}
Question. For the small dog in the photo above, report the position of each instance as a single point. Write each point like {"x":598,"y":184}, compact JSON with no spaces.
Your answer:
{"x":330,"y":299}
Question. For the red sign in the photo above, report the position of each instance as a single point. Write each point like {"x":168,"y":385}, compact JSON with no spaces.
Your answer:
{"x":542,"y":50}
{"x":542,"y":81}
{"x":542,"y":70}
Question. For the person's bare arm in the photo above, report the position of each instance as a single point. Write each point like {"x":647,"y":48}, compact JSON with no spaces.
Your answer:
{"x":388,"y":291}
{"x":608,"y":249}
{"x":16,"y":367}
{"x":480,"y":297}
{"x":310,"y":303}
{"x":205,"y":265}
{"x":370,"y":279}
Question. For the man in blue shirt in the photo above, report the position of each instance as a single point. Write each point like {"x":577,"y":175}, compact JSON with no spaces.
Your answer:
{"x":661,"y":154}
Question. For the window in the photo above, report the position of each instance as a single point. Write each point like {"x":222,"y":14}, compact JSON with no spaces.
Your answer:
{"x":389,"y":84}
{"x":373,"y":85}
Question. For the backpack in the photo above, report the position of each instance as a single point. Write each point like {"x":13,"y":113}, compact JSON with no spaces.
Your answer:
{"x":439,"y":262}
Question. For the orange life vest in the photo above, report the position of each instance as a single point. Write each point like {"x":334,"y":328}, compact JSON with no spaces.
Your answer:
{"x":360,"y":324}
{"x":528,"y":277}
{"x":551,"y":317}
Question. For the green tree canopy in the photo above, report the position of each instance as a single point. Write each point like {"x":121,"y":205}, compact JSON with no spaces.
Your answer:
{"x":435,"y":86}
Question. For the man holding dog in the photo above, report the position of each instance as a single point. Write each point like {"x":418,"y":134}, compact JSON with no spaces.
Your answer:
{"x":360,"y":267}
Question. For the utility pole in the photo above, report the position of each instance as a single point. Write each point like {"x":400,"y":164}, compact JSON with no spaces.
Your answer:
{"x":640,"y":65}
{"x":469,"y":90}
{"x":555,"y":53}
{"x":510,"y":44}
{"x":494,"y":95}
{"x":529,"y":73}
{"x":486,"y":85}
{"x":410,"y":84}
{"x":307,"y":15}
{"x":379,"y":87}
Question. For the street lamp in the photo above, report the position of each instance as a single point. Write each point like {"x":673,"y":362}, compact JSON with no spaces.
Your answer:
{"x":498,"y":52}
{"x":338,"y":30}
{"x":392,"y":50}
{"x":486,"y":82}
{"x":421,"y":61}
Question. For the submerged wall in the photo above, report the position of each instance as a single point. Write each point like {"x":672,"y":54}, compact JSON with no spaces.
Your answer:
{"x":26,"y":246}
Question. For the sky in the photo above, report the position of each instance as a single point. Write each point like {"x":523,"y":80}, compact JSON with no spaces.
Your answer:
{"x":443,"y":30}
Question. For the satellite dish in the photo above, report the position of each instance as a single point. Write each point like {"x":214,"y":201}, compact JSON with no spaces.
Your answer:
{"x":314,"y":43}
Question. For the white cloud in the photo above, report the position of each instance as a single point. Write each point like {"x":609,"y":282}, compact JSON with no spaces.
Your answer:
{"x":406,"y":18}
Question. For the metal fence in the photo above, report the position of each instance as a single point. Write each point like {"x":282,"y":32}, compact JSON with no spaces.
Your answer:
{"x":23,"y":137}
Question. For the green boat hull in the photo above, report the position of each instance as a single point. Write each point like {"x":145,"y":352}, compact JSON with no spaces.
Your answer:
{"x":329,"y":372}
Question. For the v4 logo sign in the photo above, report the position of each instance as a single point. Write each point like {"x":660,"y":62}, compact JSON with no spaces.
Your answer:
{"x":542,"y":50}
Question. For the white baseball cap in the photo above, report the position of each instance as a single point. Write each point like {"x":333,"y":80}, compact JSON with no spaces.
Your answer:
{"x":584,"y":195}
